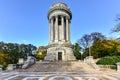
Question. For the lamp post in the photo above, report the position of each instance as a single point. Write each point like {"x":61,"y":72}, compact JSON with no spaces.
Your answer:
{"x":90,"y":52}
{"x":81,"y":52}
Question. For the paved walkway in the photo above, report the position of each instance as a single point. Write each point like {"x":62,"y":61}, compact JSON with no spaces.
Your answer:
{"x":59,"y":76}
{"x":61,"y":71}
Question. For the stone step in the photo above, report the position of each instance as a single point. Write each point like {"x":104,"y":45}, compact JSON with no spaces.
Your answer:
{"x":74,"y":66}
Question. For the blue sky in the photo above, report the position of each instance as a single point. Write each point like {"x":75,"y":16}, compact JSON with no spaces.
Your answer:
{"x":25,"y":21}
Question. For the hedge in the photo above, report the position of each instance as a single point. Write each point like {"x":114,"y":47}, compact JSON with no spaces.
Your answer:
{"x":109,"y":60}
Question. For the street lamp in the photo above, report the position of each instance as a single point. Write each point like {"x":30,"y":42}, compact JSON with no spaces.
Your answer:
{"x":90,"y":52}
{"x":81,"y":52}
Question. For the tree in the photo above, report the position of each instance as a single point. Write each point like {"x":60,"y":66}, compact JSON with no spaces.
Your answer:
{"x":105,"y":48}
{"x":11,"y":52}
{"x":97,"y":36}
{"x":117,"y":26}
{"x":84,"y":41}
{"x":27,"y":49}
{"x":87,"y":41}
{"x":76,"y":50}
{"x":41,"y":53}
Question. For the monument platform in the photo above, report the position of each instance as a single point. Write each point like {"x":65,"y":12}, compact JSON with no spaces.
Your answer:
{"x":74,"y":70}
{"x":59,"y":66}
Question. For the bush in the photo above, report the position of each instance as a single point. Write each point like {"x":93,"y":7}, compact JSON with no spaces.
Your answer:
{"x":113,"y":67}
{"x":109,"y":60}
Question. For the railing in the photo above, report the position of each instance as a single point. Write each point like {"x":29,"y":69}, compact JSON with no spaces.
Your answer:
{"x":107,"y":66}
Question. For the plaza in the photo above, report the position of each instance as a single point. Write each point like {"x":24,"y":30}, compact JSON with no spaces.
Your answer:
{"x":74,"y":70}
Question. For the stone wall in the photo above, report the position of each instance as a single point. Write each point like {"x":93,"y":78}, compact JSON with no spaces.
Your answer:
{"x":67,"y":53}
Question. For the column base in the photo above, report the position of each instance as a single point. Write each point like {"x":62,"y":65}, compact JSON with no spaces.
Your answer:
{"x":63,"y":40}
{"x":56,"y":40}
{"x":51,"y":42}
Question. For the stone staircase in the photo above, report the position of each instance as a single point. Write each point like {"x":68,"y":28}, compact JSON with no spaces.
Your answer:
{"x":71,"y":66}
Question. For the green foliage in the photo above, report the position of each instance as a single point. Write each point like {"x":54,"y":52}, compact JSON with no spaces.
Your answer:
{"x":113,"y":67}
{"x":86,"y":53}
{"x":117,"y":26}
{"x":102,"y":48}
{"x":76,"y":50}
{"x":109,"y":60}
{"x":88,"y":40}
{"x":40,"y":56}
{"x":11,"y":52}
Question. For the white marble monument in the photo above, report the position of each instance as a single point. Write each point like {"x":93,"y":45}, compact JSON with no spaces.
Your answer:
{"x":59,"y":47}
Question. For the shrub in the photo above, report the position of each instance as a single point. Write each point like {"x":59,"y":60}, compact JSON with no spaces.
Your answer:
{"x":113,"y":67}
{"x":109,"y":60}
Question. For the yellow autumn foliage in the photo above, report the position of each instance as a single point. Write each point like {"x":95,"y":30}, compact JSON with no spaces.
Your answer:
{"x":41,"y":52}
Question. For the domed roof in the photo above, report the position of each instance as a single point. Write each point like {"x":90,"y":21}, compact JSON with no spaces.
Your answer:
{"x":60,"y":6}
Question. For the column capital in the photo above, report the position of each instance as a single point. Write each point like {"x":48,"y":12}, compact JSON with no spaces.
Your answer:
{"x":51,"y":19}
{"x":68,"y":19}
{"x":56,"y":16}
{"x":62,"y":16}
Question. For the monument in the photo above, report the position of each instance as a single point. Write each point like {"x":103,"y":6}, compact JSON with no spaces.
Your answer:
{"x":60,"y":47}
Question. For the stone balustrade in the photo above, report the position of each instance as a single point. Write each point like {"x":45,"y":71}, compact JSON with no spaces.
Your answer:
{"x":118,"y":67}
{"x":11,"y":67}
{"x":30,"y":61}
{"x":0,"y":69}
{"x":89,"y":60}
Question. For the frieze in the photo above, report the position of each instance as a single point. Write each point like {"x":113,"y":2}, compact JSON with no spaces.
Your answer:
{"x":62,"y":45}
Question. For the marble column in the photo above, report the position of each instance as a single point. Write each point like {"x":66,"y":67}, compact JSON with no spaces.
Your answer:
{"x":67,"y":29}
{"x":51,"y":30}
{"x":63,"y":32}
{"x":56,"y":28}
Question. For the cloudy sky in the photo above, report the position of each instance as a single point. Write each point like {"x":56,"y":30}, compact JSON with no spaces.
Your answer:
{"x":25,"y":21}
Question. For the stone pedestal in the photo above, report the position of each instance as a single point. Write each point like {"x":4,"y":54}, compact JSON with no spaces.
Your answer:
{"x":0,"y":69}
{"x":31,"y":59}
{"x":89,"y":59}
{"x":118,"y":67}
{"x":21,"y":61}
{"x":60,"y":52}
{"x":11,"y":67}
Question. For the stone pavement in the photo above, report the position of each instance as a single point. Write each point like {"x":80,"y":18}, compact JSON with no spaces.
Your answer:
{"x":60,"y":71}
{"x":59,"y":76}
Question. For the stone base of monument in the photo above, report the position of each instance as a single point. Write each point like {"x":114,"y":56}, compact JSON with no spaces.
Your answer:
{"x":60,"y":52}
{"x":0,"y":69}
{"x":70,"y":70}
{"x":58,"y":66}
